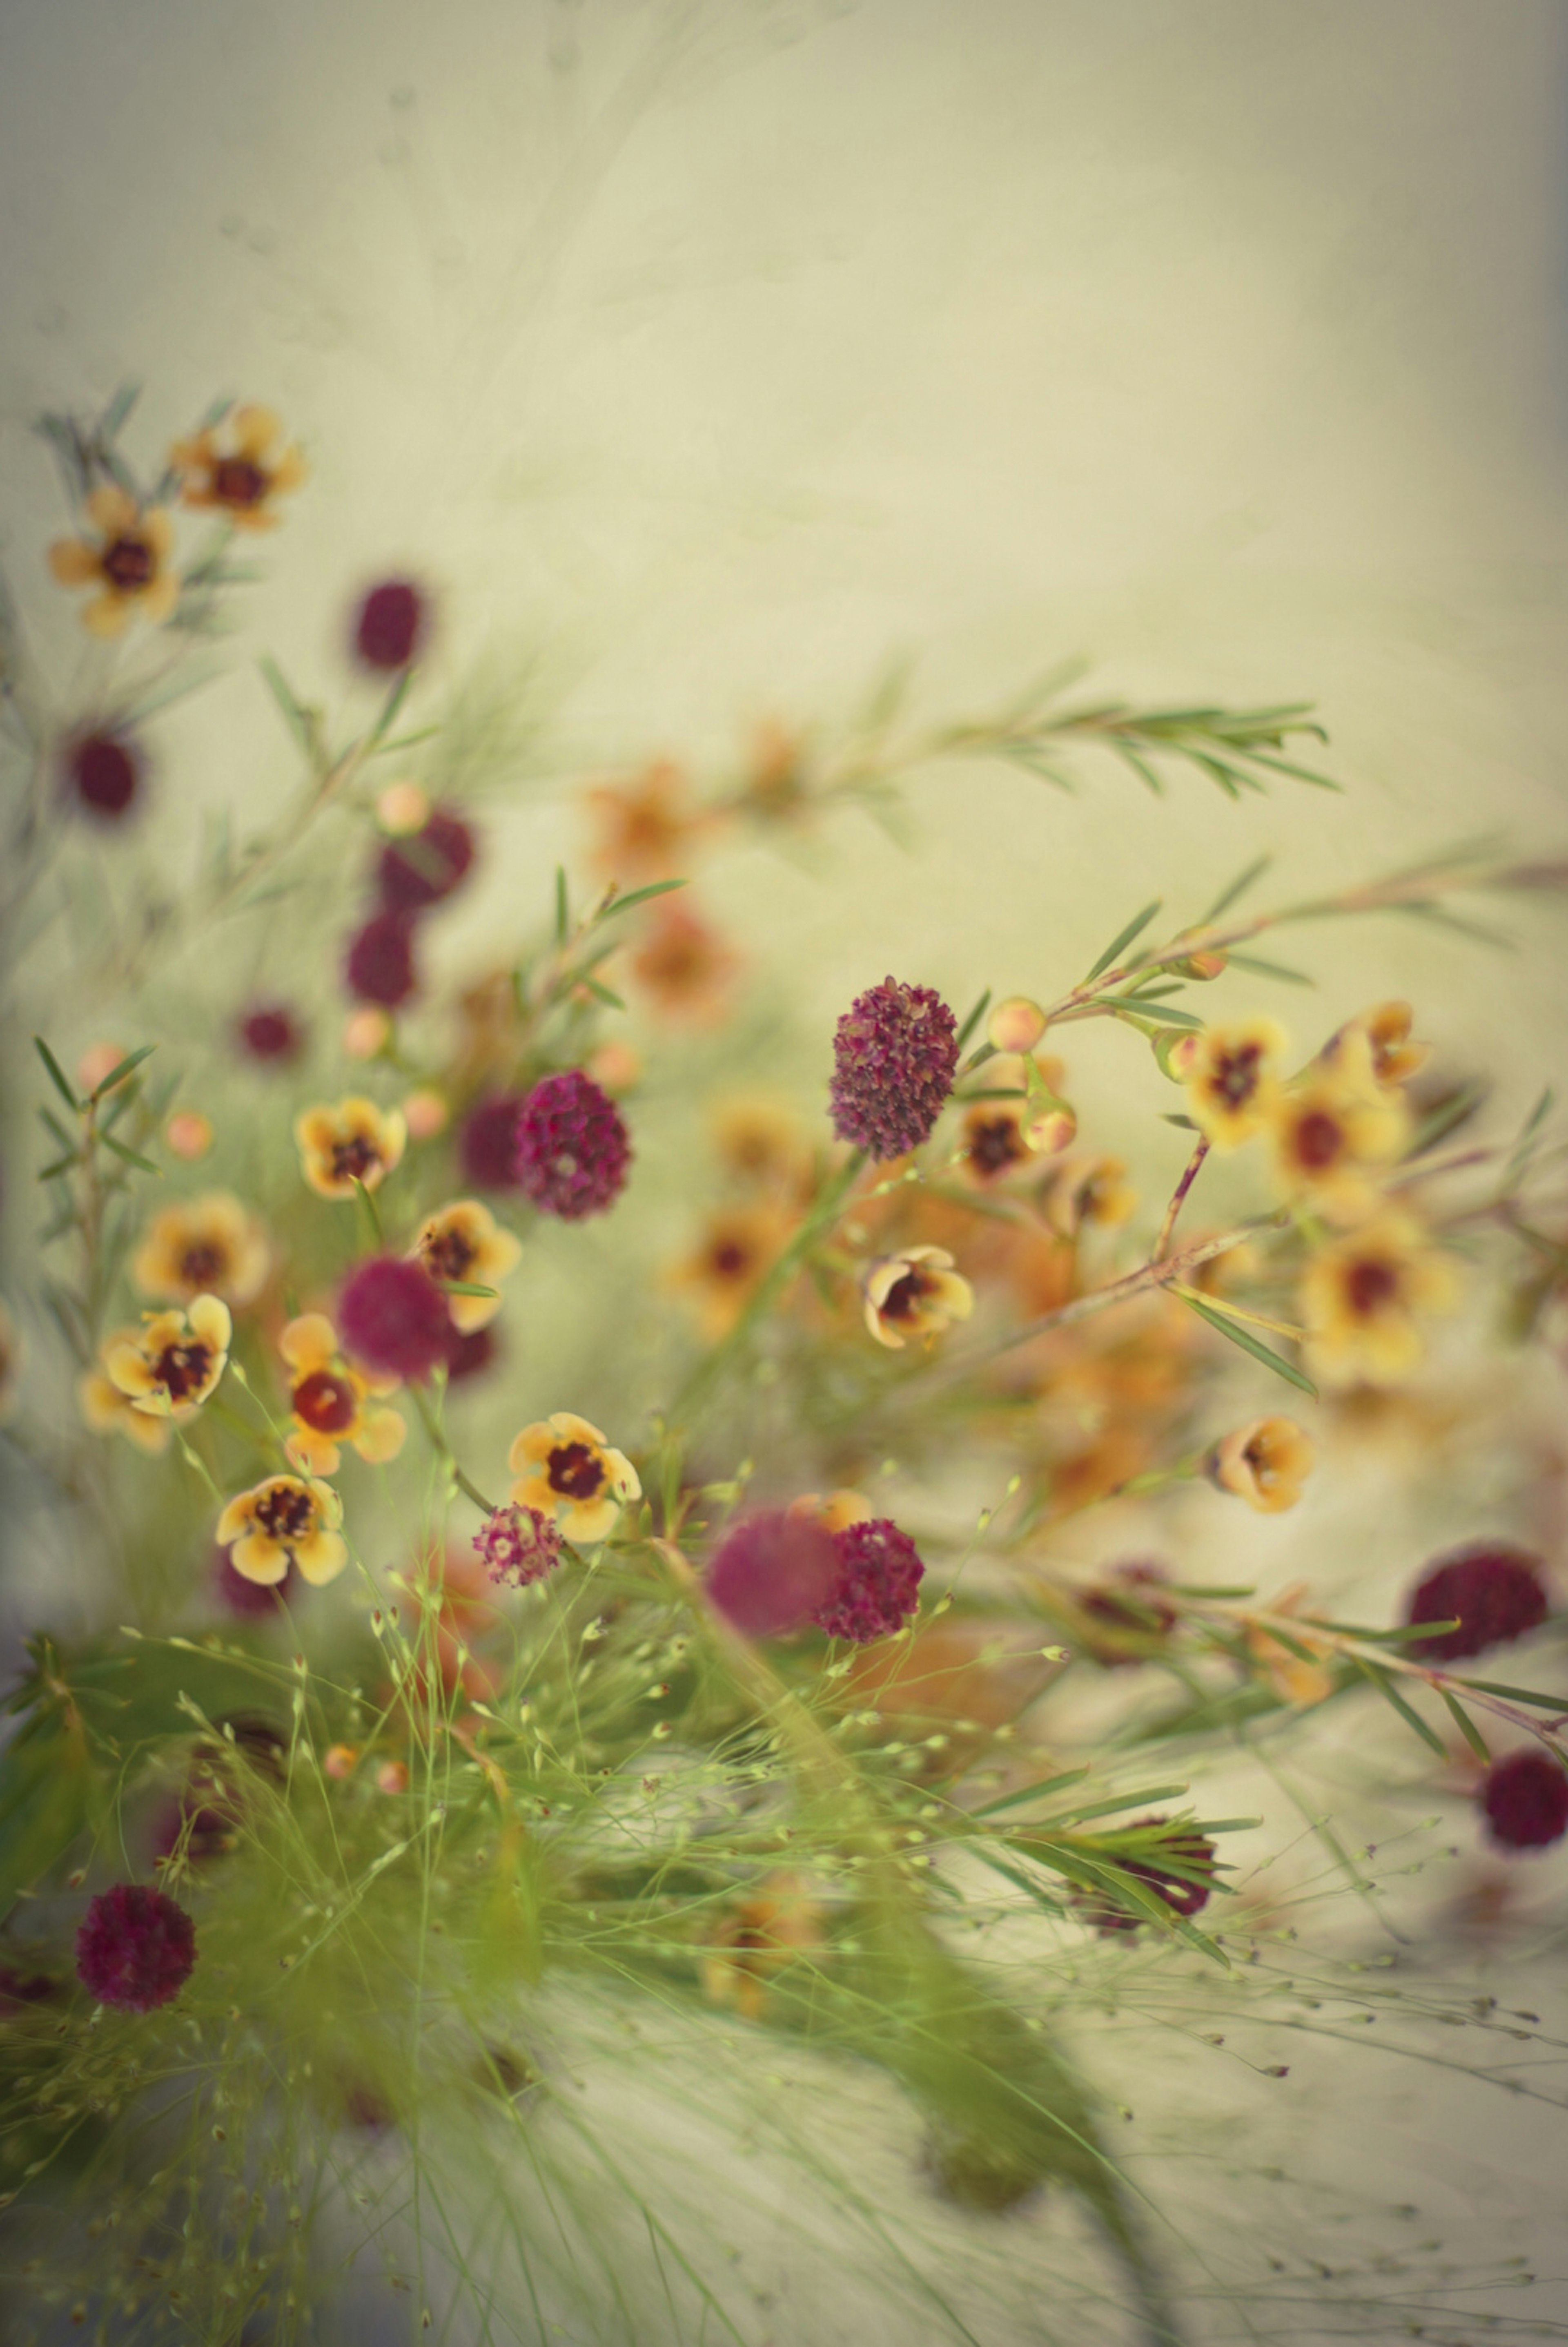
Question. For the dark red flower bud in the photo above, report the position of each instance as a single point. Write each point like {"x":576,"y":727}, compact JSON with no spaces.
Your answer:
{"x":573,"y":1149}
{"x":392,"y":1317}
{"x":419,"y":871}
{"x":251,"y":1600}
{"x":390,"y":624}
{"x":379,"y":964}
{"x":136,"y":1948}
{"x":104,"y":771}
{"x":895,"y":1055}
{"x":878,"y":1583}
{"x":1491,"y":1589}
{"x":1525,"y":1798}
{"x":469,"y":1353}
{"x":270,"y":1033}
{"x":772,"y":1573}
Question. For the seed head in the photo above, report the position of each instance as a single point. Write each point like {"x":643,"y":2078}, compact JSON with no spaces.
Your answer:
{"x":518,"y":1545}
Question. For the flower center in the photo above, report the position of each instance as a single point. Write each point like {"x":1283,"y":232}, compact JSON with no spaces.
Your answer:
{"x":129,"y":564}
{"x":448,"y":1253}
{"x":285,"y":1512}
{"x":326,"y":1401}
{"x":904,"y":1297}
{"x":352,"y":1160}
{"x":181,"y":1370}
{"x":1235,"y":1075}
{"x":1369,"y":1286}
{"x":995,"y":1143}
{"x":203,"y":1265}
{"x":1319,"y":1140}
{"x":730,"y":1259}
{"x":236,"y":481}
{"x":575,"y":1472}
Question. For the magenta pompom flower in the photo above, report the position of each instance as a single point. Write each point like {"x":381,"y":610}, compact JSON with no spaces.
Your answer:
{"x":572,"y":1148}
{"x":773,"y":1572}
{"x":270,"y":1033}
{"x":518,"y":1545}
{"x":136,"y":1948}
{"x":419,"y":871}
{"x":878,"y":1582}
{"x":390,"y":624}
{"x":392,"y":1317}
{"x":487,"y":1143}
{"x":104,"y":771}
{"x":379,"y":965}
{"x":1185,"y":1890}
{"x":1525,"y":1798}
{"x":1494,"y":1592}
{"x":895,"y":1055}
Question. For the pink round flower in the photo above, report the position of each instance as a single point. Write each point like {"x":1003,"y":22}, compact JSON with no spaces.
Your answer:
{"x":487,"y":1143}
{"x":1491,"y":1589}
{"x":895,"y":1055}
{"x":136,"y":1948}
{"x":104,"y":771}
{"x":879,"y":1578}
{"x":772,"y":1573}
{"x":1525,"y":1798}
{"x":573,"y":1149}
{"x":392,"y":1317}
{"x":270,"y":1033}
{"x":518,"y":1545}
{"x":421,"y":870}
{"x":379,"y":966}
{"x":390,"y":624}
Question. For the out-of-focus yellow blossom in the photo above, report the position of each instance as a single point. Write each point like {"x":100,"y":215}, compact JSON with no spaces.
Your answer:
{"x":1362,"y":1297}
{"x":284,"y":1521}
{"x":464,"y":1242}
{"x":1231,"y":1078}
{"x":1385,"y":1031}
{"x":780,"y":1926}
{"x":566,"y":1470}
{"x":168,"y":1367}
{"x":332,"y":1401}
{"x":237,"y":469}
{"x":1300,"y":1679}
{"x":209,"y":1246}
{"x":129,"y":565}
{"x":354,"y":1142}
{"x":107,"y":1410}
{"x":1088,"y":1189}
{"x":835,"y":1512}
{"x":1264,"y":1463}
{"x":739,"y":1247}
{"x":1331,"y":1136}
{"x":916,"y":1293}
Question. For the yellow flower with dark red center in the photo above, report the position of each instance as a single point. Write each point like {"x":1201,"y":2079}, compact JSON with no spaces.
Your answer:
{"x":916,"y":1293}
{"x":760,"y":1142}
{"x":566,"y":1470}
{"x":1001,"y":1135}
{"x":994,"y":1143}
{"x":210,"y":1245}
{"x":1264,"y":1463}
{"x":1230,"y":1077}
{"x":782,"y":1924}
{"x":1385,"y":1031}
{"x":1361,"y":1299}
{"x":684,"y":966}
{"x":284,"y":1521}
{"x":169,"y":1365}
{"x":107,"y":1410}
{"x":333,"y":1402}
{"x":237,"y":468}
{"x":128,"y":564}
{"x":1328,"y":1134}
{"x":355,"y":1142}
{"x":739,"y":1246}
{"x":1088,"y":1189}
{"x":647,"y":828}
{"x":464,"y":1242}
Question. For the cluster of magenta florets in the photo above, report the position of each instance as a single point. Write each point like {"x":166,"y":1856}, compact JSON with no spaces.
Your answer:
{"x":136,"y":1948}
{"x":773,"y":1572}
{"x":1492,"y":1591}
{"x":878,"y":1585}
{"x":518,"y":1545}
{"x":571,"y":1149}
{"x":895,"y":1056}
{"x":393,"y":1318}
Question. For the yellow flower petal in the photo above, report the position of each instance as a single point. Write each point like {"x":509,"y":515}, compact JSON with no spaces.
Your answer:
{"x":313,"y":1453}
{"x":380,"y":1437}
{"x":322,"y":1557}
{"x":308,"y":1343}
{"x":107,"y":615}
{"x":111,"y":510}
{"x":255,"y":429}
{"x":160,"y":598}
{"x":257,"y":1558}
{"x":209,"y":1318}
{"x":73,"y":563}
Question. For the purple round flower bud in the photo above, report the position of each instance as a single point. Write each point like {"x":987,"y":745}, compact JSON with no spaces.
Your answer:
{"x":252,"y":1600}
{"x":487,"y":1144}
{"x":104,"y":771}
{"x":877,"y":1582}
{"x":572,"y":1147}
{"x":379,"y":966}
{"x":270,"y":1033}
{"x":1525,"y":1798}
{"x":1492,"y":1590}
{"x":519,"y":1545}
{"x":135,"y":1948}
{"x":390,"y":624}
{"x":895,"y":1055}
{"x":1193,"y":1852}
{"x":392,"y":1317}
{"x":469,"y":1353}
{"x":773,"y":1572}
{"x":420,"y":871}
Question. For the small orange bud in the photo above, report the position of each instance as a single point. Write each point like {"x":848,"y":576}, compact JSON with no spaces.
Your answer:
{"x":425,"y":1114}
{"x":1049,"y":1126}
{"x":340,"y":1760}
{"x":616,"y":1067}
{"x":99,"y":1061}
{"x":366,"y":1033}
{"x":392,"y":1776}
{"x":189,"y":1134}
{"x":402,"y":808}
{"x":1016,"y":1025}
{"x":1176,"y":1048}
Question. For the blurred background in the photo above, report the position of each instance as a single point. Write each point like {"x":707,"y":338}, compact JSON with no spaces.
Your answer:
{"x":707,"y":358}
